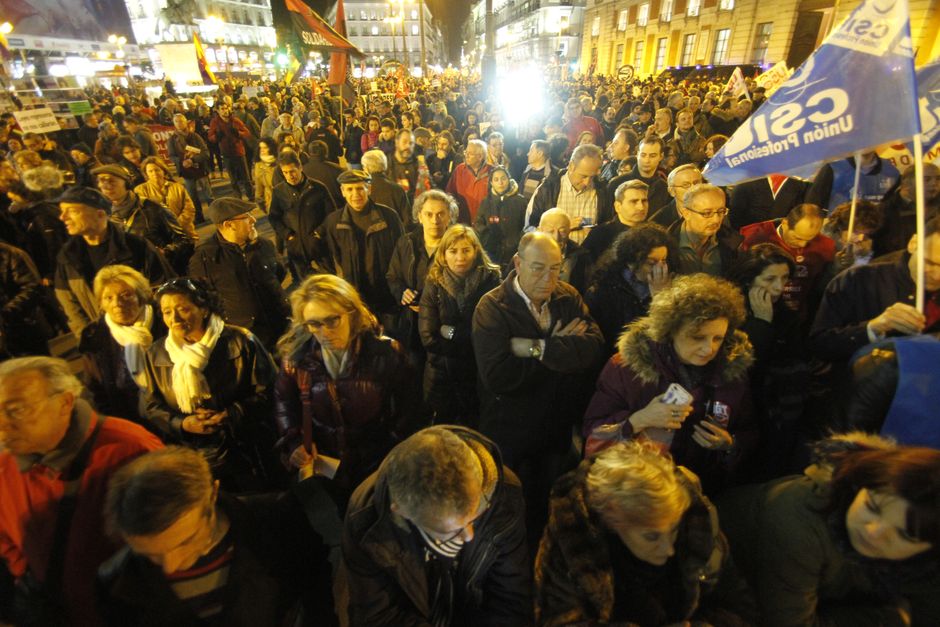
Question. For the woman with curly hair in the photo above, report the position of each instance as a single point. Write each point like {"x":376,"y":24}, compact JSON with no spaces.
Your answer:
{"x":631,"y":540}
{"x":853,"y":541}
{"x":689,"y":338}
{"x":458,"y":277}
{"x":345,"y":391}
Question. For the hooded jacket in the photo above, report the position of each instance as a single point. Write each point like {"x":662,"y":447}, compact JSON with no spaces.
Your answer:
{"x":500,"y":220}
{"x":643,"y":368}
{"x":802,"y":565}
{"x":575,"y":576}
{"x":386,"y":561}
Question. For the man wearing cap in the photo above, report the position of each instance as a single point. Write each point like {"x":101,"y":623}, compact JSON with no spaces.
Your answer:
{"x":298,"y":206}
{"x":85,"y":162}
{"x":144,"y":217}
{"x":94,"y":243}
{"x":244,"y":270}
{"x":358,"y":242}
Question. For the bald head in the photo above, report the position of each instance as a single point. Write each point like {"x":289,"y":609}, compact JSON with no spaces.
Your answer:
{"x":538,"y":266}
{"x":556,"y":223}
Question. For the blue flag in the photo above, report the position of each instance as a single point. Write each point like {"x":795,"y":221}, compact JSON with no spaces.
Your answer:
{"x":855,"y":92}
{"x":928,"y":96}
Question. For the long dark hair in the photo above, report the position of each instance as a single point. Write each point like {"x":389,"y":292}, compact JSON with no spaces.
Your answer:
{"x":751,"y":264}
{"x":631,"y":249}
{"x":912,"y":473}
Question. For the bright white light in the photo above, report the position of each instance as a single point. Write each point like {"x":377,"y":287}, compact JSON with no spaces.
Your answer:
{"x":58,"y":70}
{"x":521,"y":93}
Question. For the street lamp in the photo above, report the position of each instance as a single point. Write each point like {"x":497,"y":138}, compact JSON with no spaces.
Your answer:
{"x":392,"y":20}
{"x":404,"y":42}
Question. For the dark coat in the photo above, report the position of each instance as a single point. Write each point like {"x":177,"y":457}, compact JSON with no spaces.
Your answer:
{"x":575,"y":575}
{"x":407,"y":270}
{"x":364,"y":268}
{"x":546,"y":197}
{"x":526,"y":404}
{"x":728,"y":242}
{"x":107,"y":377}
{"x":451,"y":372}
{"x":376,"y":406}
{"x":240,"y":374}
{"x":278,"y":563}
{"x":853,"y":299}
{"x":387,"y":192}
{"x":326,"y":173}
{"x":248,"y":280}
{"x":387,"y":569}
{"x":614,"y":303}
{"x":499,"y":223}
{"x":24,"y":327}
{"x":159,"y":226}
{"x":801,"y":564}
{"x":600,"y":238}
{"x":440,"y":168}
{"x":643,"y":368}
{"x":754,"y":201}
{"x":575,"y":266}
{"x":75,"y":273}
{"x":43,"y":234}
{"x":296,"y":213}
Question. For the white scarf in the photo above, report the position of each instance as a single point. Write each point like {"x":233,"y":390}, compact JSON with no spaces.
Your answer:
{"x":136,"y":339}
{"x":189,"y":384}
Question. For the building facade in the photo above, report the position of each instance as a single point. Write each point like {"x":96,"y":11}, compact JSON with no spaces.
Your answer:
{"x":651,"y":35}
{"x":392,"y":31}
{"x":539,"y":32}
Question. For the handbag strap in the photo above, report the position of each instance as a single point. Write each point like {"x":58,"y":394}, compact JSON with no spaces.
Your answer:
{"x":63,"y":524}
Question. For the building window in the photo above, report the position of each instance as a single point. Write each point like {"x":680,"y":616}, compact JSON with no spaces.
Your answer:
{"x":414,"y":29}
{"x":619,"y":56}
{"x":725,"y":5}
{"x":661,"y":46}
{"x":638,"y":56}
{"x":692,"y":9}
{"x":643,"y":15}
{"x":375,"y":30}
{"x":622,"y":20}
{"x":414,"y":14}
{"x":596,"y":26}
{"x":688,"y":49}
{"x":762,"y":41}
{"x":665,"y":11}
{"x":721,"y":46}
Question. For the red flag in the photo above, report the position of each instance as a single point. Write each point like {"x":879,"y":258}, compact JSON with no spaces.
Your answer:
{"x":208,"y":78}
{"x":338,"y":60}
{"x":313,"y":31}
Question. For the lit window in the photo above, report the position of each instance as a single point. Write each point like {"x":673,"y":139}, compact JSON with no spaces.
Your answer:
{"x":375,"y":30}
{"x":414,"y":14}
{"x":622,"y":20}
{"x":661,"y":46}
{"x":725,"y":5}
{"x":596,"y":26}
{"x":688,"y":49}
{"x":414,"y":29}
{"x":762,"y":42}
{"x":665,"y":11}
{"x":638,"y":56}
{"x":721,"y":46}
{"x":643,"y":15}
{"x":692,"y":9}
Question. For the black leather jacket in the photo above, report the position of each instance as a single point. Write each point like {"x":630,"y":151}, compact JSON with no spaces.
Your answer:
{"x":159,"y":226}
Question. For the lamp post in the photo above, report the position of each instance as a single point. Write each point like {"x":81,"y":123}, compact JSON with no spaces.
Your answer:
{"x":216,"y":26}
{"x":404,"y":42}
{"x":391,"y":20}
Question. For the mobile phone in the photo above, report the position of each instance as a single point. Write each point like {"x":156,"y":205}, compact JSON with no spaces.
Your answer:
{"x":677,"y":395}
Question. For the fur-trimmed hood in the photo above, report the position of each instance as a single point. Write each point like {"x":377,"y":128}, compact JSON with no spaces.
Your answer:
{"x":826,"y":452}
{"x":648,"y":358}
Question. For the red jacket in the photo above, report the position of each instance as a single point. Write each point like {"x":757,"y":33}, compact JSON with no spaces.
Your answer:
{"x":469,"y":189}
{"x":28,"y":510}
{"x":576,"y":126}
{"x":810,"y":261}
{"x":229,"y":135}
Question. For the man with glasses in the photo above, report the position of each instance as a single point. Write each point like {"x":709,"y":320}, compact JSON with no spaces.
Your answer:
{"x":196,"y":555}
{"x":705,"y":244}
{"x":679,"y":181}
{"x":436,"y":536}
{"x":56,"y":457}
{"x":536,"y":346}
{"x":245,"y":271}
{"x":470,"y":181}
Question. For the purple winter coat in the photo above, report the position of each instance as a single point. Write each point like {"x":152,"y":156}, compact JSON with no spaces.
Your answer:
{"x":643,"y":368}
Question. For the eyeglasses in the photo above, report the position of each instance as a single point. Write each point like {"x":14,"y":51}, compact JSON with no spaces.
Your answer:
{"x":330,"y":323}
{"x":688,"y":185}
{"x":708,"y":215}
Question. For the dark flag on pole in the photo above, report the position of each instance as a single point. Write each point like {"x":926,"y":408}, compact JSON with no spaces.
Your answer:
{"x":314,"y":34}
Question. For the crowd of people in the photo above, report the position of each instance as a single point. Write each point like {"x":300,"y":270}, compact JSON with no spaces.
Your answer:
{"x":481,"y":374}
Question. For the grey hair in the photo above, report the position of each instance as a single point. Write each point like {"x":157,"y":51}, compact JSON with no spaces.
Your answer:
{"x":671,"y":179}
{"x":436,"y":194}
{"x":628,"y":185}
{"x":125,"y":274}
{"x":697,"y":190}
{"x":585,"y":151}
{"x":482,"y":144}
{"x":55,"y":371}
{"x":374,"y":161}
{"x":43,"y":178}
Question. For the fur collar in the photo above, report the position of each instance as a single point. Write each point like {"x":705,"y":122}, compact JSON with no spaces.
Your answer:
{"x":644,"y":356}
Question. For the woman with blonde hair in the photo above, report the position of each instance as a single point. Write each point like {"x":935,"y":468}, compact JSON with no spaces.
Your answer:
{"x":690,"y":339}
{"x":631,"y":539}
{"x":345,"y":391}
{"x":458,"y":277}
{"x":162,"y":189}
{"x":114,"y":347}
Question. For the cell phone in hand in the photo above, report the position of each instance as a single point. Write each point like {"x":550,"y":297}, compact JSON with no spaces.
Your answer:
{"x":677,"y":395}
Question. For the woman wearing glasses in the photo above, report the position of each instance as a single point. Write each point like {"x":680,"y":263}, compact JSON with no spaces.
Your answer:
{"x":345,"y":391}
{"x":209,"y":385}
{"x":689,"y":338}
{"x":631,"y":540}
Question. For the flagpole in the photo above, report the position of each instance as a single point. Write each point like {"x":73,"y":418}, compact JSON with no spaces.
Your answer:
{"x":920,"y":213}
{"x":858,"y":171}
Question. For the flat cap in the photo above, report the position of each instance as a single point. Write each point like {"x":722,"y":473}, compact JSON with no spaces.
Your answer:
{"x":88,"y":196}
{"x":223,"y":209}
{"x":114,"y":170}
{"x":353,"y":176}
